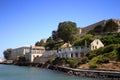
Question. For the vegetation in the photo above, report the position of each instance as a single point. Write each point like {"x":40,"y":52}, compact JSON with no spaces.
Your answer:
{"x":111,"y":39}
{"x":54,"y":45}
{"x":109,"y":27}
{"x":73,"y":63}
{"x":111,"y":51}
{"x":21,"y":58}
{"x":104,"y":55}
{"x":65,"y":33}
{"x":95,"y":61}
{"x":7,"y":54}
{"x":82,"y":41}
{"x":40,"y":43}
{"x":67,"y":30}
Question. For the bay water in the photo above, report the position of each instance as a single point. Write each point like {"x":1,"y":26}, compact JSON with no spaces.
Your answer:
{"x":12,"y":72}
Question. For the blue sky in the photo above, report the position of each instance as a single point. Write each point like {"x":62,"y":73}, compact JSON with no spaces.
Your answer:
{"x":23,"y":22}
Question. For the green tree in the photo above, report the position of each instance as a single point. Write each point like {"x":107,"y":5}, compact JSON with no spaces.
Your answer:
{"x":83,"y":41}
{"x":7,"y":53}
{"x":67,"y":30}
{"x":118,"y":53}
{"x":37,"y":43}
{"x":21,"y":58}
{"x":55,"y":35}
{"x":40,"y":43}
{"x":50,"y":39}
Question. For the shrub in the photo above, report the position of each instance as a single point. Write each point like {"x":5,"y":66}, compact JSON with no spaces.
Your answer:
{"x":98,"y":61}
{"x":83,"y":60}
{"x":59,"y":61}
{"x":50,"y":61}
{"x":73,"y":63}
{"x":92,"y":63}
{"x":102,"y":59}
{"x":21,"y":58}
{"x":118,"y":53}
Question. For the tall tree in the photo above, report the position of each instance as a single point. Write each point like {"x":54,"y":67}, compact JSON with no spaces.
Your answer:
{"x":67,"y":30}
{"x":40,"y":43}
{"x":55,"y":35}
{"x":7,"y":53}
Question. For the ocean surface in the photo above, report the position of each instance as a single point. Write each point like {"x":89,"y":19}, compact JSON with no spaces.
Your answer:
{"x":11,"y":72}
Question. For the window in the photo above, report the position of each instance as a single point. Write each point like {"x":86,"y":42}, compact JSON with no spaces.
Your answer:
{"x":71,"y":55}
{"x":62,"y":55}
{"x":76,"y":55}
{"x":95,"y":47}
{"x":81,"y":54}
{"x":97,"y":42}
{"x":37,"y":55}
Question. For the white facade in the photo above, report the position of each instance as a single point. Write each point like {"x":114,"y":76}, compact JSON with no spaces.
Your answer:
{"x":15,"y":53}
{"x":34,"y":52}
{"x":73,"y":52}
{"x":96,"y":44}
{"x":29,"y":52}
{"x":78,"y":52}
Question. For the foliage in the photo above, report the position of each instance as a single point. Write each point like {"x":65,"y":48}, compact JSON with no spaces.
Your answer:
{"x":91,"y":32}
{"x":55,"y":35}
{"x":111,"y":39}
{"x":65,"y":33}
{"x":21,"y":58}
{"x":103,"y":55}
{"x":118,"y":53}
{"x":53,"y":45}
{"x":109,"y":27}
{"x":106,"y":51}
{"x":50,"y":39}
{"x":7,"y":54}
{"x":98,"y":60}
{"x":92,"y":64}
{"x":82,"y":41}
{"x":83,"y":60}
{"x":59,"y":61}
{"x":40,"y":43}
{"x":67,"y":30}
{"x":73,"y":63}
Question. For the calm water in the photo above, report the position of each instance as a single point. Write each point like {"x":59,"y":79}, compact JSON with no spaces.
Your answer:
{"x":11,"y":72}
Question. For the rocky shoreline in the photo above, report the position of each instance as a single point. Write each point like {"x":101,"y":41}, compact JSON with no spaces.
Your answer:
{"x":92,"y":73}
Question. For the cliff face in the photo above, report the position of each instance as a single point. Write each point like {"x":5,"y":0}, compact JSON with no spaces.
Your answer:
{"x":103,"y":23}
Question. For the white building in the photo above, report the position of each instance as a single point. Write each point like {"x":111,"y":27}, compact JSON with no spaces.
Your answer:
{"x":29,"y":52}
{"x":79,"y":51}
{"x":34,"y":52}
{"x":72,"y":52}
{"x":15,"y":53}
{"x":96,"y":44}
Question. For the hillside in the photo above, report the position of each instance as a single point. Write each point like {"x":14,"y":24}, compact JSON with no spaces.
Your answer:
{"x":108,"y":26}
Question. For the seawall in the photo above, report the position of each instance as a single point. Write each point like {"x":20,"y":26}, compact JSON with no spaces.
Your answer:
{"x":112,"y":75}
{"x":109,"y":75}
